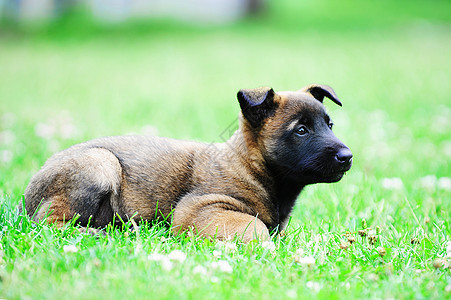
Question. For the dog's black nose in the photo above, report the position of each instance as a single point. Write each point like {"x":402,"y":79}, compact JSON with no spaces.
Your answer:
{"x":344,"y":155}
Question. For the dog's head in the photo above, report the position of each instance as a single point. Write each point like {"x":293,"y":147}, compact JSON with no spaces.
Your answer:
{"x":293,"y":133}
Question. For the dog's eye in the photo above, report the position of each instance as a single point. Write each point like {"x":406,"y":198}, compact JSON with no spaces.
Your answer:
{"x":331,"y":125}
{"x":302,"y":130}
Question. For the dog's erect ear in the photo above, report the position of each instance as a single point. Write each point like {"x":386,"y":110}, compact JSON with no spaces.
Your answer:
{"x":257,"y":104}
{"x":319,"y":91}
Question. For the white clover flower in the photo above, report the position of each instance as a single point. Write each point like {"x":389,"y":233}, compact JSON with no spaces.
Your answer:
{"x":220,"y":244}
{"x":428,"y":182}
{"x":156,"y":257}
{"x":394,"y":183}
{"x":44,"y":131}
{"x":53,"y":145}
{"x":306,"y":261}
{"x":7,"y":137}
{"x":68,"y":130}
{"x":299,"y":252}
{"x":6,"y":156}
{"x":164,"y":260}
{"x":216,"y":253}
{"x":149,"y":130}
{"x":318,"y":238}
{"x":444,"y":183}
{"x":138,"y":248}
{"x":166,"y":264}
{"x":201,"y":270}
{"x":70,"y":249}
{"x":291,"y":294}
{"x":230,"y":247}
{"x":313,"y":285}
{"x":177,"y":255}
{"x":222,"y":265}
{"x":269,"y":245}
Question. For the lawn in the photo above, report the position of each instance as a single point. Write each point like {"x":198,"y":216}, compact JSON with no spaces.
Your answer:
{"x":383,"y":231}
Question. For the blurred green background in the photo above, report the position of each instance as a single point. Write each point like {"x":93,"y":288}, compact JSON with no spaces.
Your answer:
{"x":78,"y":72}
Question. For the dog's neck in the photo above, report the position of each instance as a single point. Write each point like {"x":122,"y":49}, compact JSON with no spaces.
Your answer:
{"x":282,"y":191}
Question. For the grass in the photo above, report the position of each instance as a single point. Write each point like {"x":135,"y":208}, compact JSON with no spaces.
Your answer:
{"x":61,"y":85}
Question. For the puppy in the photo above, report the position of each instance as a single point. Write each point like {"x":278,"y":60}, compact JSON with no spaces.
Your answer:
{"x":244,"y":187}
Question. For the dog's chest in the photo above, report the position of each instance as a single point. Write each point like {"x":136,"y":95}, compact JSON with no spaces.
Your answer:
{"x":284,"y":200}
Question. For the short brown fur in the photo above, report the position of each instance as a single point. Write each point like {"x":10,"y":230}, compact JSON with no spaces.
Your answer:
{"x":218,"y":190}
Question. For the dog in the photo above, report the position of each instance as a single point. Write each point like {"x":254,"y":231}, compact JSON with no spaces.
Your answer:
{"x":245,"y":187}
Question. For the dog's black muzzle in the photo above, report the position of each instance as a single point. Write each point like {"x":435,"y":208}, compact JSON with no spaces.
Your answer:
{"x":344,"y":158}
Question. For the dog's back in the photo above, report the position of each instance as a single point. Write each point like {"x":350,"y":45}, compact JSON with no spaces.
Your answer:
{"x":89,"y":178}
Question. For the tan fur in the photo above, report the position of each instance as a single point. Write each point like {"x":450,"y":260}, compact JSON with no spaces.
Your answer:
{"x":219,"y":190}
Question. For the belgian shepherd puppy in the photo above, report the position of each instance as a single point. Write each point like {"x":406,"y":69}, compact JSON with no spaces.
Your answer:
{"x":246,"y":186}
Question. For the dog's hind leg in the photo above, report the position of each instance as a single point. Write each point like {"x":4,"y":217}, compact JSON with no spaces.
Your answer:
{"x":80,"y":182}
{"x":218,"y":216}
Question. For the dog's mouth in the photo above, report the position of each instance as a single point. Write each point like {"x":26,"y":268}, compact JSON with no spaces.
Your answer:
{"x":347,"y":167}
{"x":336,"y":174}
{"x":315,"y":176}
{"x":333,"y":177}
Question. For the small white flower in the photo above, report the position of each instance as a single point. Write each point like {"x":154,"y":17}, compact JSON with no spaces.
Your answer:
{"x":138,"y":248}
{"x":156,"y":257}
{"x":7,"y":137}
{"x":6,"y":156}
{"x":149,"y":130}
{"x":68,"y":130}
{"x":313,"y":285}
{"x":230,"y":247}
{"x":428,"y":182}
{"x":291,"y":294}
{"x":448,"y":288}
{"x":269,"y":245}
{"x":70,"y":249}
{"x":300,"y":252}
{"x":444,"y":183}
{"x":177,"y":255}
{"x":394,"y":183}
{"x":166,"y":264}
{"x":164,"y":260}
{"x":53,"y":145}
{"x":44,"y":131}
{"x":200,"y":270}
{"x":216,"y":253}
{"x":222,"y":265}
{"x":318,"y":238}
{"x":306,"y":261}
